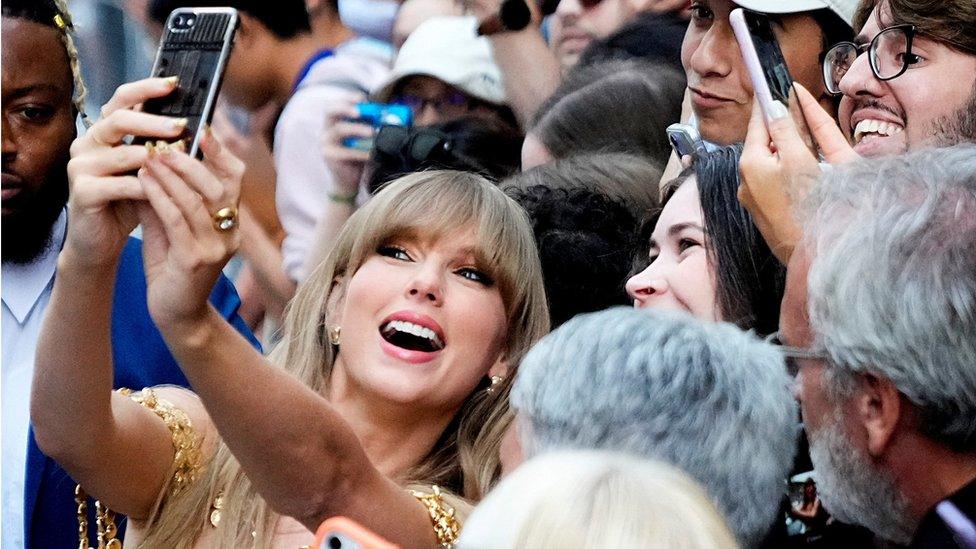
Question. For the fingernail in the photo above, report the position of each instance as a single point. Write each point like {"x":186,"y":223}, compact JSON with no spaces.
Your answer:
{"x":162,"y":147}
{"x":172,"y":80}
{"x":778,"y":110}
{"x":151,"y":148}
{"x":179,"y":146}
{"x":180,"y":123}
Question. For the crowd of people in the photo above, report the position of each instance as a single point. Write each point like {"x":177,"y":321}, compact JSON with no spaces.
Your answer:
{"x":516,"y":318}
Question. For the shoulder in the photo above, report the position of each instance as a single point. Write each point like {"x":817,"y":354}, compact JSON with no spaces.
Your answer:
{"x":183,"y":408}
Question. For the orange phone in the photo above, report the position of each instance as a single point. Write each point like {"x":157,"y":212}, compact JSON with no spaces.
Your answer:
{"x":344,"y":533}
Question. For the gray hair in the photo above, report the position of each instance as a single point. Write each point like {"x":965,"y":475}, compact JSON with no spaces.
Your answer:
{"x":892,"y":285}
{"x":705,"y":397}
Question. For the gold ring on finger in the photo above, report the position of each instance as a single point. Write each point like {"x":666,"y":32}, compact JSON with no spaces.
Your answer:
{"x":225,"y":219}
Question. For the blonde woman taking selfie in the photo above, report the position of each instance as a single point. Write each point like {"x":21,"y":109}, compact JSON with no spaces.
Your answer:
{"x":430,"y":296}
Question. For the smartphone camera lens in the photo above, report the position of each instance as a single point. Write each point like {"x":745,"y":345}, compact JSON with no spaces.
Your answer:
{"x":178,"y":22}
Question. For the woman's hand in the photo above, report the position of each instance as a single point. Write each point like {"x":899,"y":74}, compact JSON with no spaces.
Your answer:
{"x":103,"y":191}
{"x":778,"y":169}
{"x":345,"y":163}
{"x":183,"y":249}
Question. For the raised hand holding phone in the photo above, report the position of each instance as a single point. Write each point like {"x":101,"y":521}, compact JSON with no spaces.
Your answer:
{"x":195,"y":47}
{"x":100,"y":174}
{"x":778,"y":169}
{"x":345,"y":163}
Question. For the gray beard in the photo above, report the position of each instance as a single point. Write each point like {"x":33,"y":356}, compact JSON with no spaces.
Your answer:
{"x":853,"y":490}
{"x":959,"y":127}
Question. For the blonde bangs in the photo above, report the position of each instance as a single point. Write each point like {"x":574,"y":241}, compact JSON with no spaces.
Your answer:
{"x":435,"y":204}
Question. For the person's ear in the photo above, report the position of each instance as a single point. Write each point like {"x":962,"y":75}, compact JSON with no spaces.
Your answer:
{"x":499,"y":368}
{"x":246,"y":30}
{"x":333,"y":305}
{"x":878,"y":407}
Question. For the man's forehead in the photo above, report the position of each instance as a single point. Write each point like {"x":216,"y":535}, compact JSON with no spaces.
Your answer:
{"x":33,"y":58}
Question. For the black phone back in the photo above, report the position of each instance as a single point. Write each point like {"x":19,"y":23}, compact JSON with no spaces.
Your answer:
{"x":770,"y":56}
{"x":195,"y":47}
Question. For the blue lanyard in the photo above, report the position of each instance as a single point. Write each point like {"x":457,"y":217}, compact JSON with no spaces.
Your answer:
{"x":318,"y":56}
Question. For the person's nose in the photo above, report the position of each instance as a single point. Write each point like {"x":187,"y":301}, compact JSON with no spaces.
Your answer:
{"x":860,"y":80}
{"x":646,"y":285}
{"x":427,"y":115}
{"x":568,"y":9}
{"x":426,"y":285}
{"x":712,"y":57}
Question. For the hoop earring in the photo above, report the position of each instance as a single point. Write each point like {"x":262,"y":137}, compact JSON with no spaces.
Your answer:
{"x":495,"y":380}
{"x":334,"y":333}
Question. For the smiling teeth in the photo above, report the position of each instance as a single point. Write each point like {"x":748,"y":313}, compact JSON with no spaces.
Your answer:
{"x":879,"y":127}
{"x":415,"y":330}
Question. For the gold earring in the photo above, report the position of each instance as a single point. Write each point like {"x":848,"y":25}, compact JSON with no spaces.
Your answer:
{"x":334,"y":335}
{"x":495,"y":380}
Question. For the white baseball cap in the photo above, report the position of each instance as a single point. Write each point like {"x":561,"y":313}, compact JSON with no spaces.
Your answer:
{"x":448,"y":49}
{"x":843,"y":8}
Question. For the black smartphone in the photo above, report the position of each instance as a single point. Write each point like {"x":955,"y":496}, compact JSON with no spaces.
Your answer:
{"x":771,"y":79}
{"x":195,"y":47}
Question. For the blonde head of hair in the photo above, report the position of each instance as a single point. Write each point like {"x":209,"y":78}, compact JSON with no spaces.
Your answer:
{"x":581,"y":499}
{"x":465,"y":458}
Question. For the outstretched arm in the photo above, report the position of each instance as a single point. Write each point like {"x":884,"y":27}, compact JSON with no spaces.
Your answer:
{"x":119,"y":451}
{"x":297,"y":451}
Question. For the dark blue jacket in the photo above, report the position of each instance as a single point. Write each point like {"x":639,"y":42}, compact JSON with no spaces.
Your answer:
{"x":141,"y":360}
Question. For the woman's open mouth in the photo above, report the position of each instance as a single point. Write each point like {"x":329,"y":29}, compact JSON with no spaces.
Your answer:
{"x":410,"y":336}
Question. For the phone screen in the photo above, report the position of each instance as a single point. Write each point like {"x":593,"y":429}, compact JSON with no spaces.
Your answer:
{"x":770,"y":56}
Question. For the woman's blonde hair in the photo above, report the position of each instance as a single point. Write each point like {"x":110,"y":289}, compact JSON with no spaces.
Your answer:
{"x":579,"y":499}
{"x":465,"y":459}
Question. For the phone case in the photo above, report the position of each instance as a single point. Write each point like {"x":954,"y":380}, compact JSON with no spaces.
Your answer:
{"x":771,"y":80}
{"x":195,"y":47}
{"x":344,"y":533}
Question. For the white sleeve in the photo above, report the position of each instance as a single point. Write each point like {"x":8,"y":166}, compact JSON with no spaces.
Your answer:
{"x":304,"y":181}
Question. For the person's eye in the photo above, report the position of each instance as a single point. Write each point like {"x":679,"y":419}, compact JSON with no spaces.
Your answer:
{"x":701,"y":14}
{"x":37,"y":113}
{"x":686,"y":244}
{"x":475,"y":275}
{"x":910,"y":58}
{"x":394,"y":252}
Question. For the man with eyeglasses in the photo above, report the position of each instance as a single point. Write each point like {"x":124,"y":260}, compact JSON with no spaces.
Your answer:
{"x":907,"y":81}
{"x":879,"y":322}
{"x":916,"y":85}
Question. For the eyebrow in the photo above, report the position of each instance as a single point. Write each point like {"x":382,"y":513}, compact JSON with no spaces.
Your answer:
{"x":27,"y":90}
{"x":675,"y":229}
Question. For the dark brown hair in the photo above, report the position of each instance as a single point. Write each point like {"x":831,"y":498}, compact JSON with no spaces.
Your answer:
{"x":951,"y":22}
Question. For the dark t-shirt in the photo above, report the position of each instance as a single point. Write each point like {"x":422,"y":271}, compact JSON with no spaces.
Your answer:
{"x":933,"y":532}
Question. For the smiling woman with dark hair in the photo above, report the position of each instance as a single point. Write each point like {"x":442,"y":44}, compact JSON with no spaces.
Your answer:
{"x":706,"y":255}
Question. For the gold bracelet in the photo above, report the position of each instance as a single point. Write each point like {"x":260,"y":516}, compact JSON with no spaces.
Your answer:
{"x":188,"y":457}
{"x":446,"y":525}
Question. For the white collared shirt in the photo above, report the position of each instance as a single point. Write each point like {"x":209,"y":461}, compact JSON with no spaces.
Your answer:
{"x":26,"y":293}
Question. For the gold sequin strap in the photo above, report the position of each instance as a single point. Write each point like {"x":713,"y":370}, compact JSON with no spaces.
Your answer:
{"x":188,"y":457}
{"x":446,"y":525}
{"x":186,"y":463}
